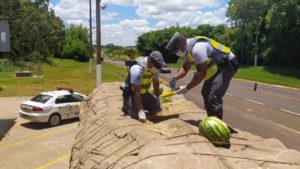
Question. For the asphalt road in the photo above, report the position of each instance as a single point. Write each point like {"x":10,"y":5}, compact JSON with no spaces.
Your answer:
{"x":27,"y":145}
{"x":270,"y":111}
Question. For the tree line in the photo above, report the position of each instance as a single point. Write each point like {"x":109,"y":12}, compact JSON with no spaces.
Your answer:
{"x":268,"y":28}
{"x":36,"y":33}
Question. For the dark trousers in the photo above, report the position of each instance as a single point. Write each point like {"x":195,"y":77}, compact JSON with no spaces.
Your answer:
{"x":215,"y":88}
{"x":148,"y":101}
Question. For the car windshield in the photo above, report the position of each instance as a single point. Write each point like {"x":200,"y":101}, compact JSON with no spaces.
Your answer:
{"x":41,"y":98}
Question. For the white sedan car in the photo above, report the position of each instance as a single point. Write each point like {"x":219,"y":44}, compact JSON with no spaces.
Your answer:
{"x":52,"y":106}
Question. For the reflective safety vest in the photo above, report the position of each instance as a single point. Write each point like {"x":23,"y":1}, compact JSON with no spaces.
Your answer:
{"x":216,"y":58}
{"x":146,"y":80}
{"x":216,"y":45}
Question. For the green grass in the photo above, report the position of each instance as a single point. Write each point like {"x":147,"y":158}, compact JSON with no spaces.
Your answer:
{"x":279,"y":76}
{"x":62,"y":72}
{"x":69,"y":73}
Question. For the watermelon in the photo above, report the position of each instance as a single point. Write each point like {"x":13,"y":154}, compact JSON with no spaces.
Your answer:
{"x":215,"y":130}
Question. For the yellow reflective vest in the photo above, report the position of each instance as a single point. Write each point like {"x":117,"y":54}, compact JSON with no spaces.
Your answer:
{"x":212,"y":66}
{"x":146,"y":80}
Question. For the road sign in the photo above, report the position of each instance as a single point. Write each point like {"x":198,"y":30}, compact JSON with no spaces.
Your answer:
{"x":4,"y":37}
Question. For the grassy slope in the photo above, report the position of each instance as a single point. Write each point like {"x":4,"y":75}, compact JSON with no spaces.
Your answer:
{"x":279,"y":76}
{"x":62,"y":72}
{"x":69,"y":73}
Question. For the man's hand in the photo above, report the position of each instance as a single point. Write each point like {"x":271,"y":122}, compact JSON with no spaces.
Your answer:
{"x":158,"y":102}
{"x":182,"y":90}
{"x":172,"y":83}
{"x":142,"y":116}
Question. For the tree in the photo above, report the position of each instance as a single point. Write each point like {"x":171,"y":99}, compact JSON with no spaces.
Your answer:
{"x":76,"y":44}
{"x":248,"y":16}
{"x":33,"y":28}
{"x":283,"y":33}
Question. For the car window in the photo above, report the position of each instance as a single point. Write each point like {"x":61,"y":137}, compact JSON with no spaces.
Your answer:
{"x":78,"y":98}
{"x":41,"y":98}
{"x":63,"y":99}
{"x":69,"y":98}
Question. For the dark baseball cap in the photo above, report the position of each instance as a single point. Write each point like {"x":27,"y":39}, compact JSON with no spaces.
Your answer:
{"x":157,"y":59}
{"x":177,"y":37}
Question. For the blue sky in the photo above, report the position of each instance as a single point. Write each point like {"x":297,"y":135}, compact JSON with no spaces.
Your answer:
{"x":124,"y":20}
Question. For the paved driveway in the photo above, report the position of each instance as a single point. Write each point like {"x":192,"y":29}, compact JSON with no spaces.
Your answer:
{"x":32,"y":145}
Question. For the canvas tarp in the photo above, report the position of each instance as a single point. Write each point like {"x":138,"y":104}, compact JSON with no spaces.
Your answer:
{"x":108,"y":139}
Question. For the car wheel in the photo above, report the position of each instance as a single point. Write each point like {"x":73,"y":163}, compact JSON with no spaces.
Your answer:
{"x":54,"y":120}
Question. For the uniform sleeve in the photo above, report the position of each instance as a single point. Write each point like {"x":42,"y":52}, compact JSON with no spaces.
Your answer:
{"x":136,"y":75}
{"x":231,"y":55}
{"x":200,"y":52}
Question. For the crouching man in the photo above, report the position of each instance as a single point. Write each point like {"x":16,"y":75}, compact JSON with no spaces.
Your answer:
{"x":136,"y":91}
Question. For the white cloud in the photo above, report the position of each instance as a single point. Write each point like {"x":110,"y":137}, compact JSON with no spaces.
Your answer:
{"x":109,"y":16}
{"x":75,"y":22}
{"x":161,"y":24}
{"x":182,"y":12}
{"x":70,"y":10}
{"x":119,"y":2}
{"x":159,"y":9}
{"x":125,"y":32}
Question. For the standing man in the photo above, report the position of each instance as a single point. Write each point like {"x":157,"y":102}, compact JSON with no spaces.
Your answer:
{"x":137,"y":98}
{"x":214,"y":62}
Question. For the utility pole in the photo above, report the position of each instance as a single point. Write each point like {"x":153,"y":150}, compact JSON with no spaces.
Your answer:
{"x":99,"y":59}
{"x":98,"y":35}
{"x":91,"y":40}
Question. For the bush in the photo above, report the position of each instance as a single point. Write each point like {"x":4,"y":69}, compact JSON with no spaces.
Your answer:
{"x":122,"y":57}
{"x":76,"y":44}
{"x":35,"y":56}
{"x":3,"y":64}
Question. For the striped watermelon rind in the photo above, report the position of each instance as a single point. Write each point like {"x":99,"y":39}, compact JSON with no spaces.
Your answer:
{"x":222,"y":124}
{"x":214,"y":130}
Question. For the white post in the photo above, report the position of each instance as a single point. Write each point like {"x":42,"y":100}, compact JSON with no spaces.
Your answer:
{"x":91,"y":66}
{"x":91,"y":41}
{"x":99,"y":75}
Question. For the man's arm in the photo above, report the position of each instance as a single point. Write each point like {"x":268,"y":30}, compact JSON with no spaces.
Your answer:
{"x":199,"y":75}
{"x":156,"y":86}
{"x":184,"y":70}
{"x":137,"y":97}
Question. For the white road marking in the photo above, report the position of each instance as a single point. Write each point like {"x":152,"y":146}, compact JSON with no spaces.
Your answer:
{"x":256,"y":102}
{"x":297,"y":132}
{"x":290,"y":112}
{"x":229,"y":94}
{"x":249,"y":110}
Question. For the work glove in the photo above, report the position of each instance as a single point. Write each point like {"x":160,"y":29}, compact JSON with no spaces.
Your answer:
{"x":172,"y":83}
{"x":182,"y":90}
{"x":142,"y":116}
{"x":158,"y":102}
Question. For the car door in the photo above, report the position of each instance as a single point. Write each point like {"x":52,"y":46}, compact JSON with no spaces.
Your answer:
{"x":76,"y":104}
{"x":65,"y":106}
